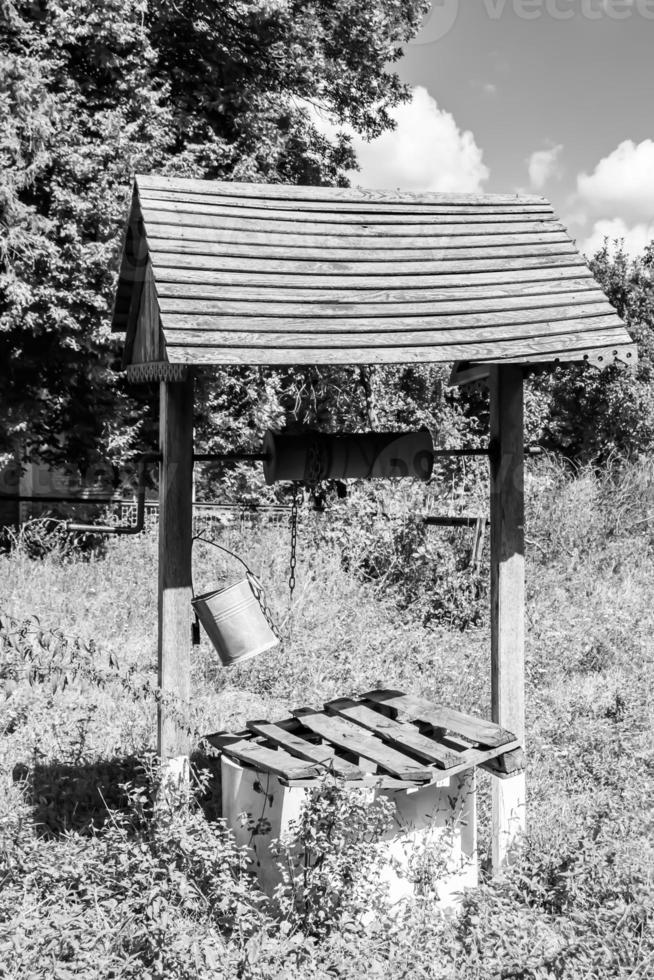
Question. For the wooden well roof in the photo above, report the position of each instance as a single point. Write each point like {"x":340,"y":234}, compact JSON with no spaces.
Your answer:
{"x":217,"y":273}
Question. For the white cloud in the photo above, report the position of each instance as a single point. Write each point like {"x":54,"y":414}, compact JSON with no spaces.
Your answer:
{"x":618,"y":197}
{"x":622,"y":183}
{"x":425,"y":152}
{"x":635,"y":237}
{"x":544,"y":166}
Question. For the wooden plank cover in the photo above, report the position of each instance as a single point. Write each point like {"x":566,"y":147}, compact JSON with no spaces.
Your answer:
{"x":401,"y":740}
{"x":321,"y":755}
{"x":279,"y":275}
{"x":398,"y":734}
{"x":356,"y":740}
{"x":413,"y":708}
{"x":271,"y":760}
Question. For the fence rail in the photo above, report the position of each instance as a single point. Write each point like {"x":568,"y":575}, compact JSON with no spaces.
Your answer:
{"x":123,"y":511}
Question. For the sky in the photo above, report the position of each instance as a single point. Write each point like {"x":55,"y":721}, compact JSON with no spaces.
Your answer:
{"x":552,"y":97}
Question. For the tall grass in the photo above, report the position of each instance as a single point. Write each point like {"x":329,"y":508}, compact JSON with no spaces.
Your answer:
{"x":579,"y":903}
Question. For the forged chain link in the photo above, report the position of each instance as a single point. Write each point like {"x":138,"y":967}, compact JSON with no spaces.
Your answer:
{"x":260,"y":596}
{"x":314,"y":462}
{"x":256,"y":586}
{"x":293,"y":524}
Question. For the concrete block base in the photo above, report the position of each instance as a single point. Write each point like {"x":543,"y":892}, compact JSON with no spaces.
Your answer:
{"x":431,"y":849}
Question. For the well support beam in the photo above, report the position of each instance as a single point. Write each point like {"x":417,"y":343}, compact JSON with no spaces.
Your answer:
{"x":507,"y":593}
{"x":175,"y":535}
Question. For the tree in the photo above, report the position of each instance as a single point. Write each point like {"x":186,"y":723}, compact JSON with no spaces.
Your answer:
{"x":590,"y":415}
{"x":92,"y":91}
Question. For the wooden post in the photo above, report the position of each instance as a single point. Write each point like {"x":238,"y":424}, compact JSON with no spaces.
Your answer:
{"x":507,"y":593}
{"x":175,"y":534}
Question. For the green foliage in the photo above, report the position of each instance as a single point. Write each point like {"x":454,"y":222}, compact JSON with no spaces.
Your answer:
{"x":93,"y":91}
{"x":77,"y":118}
{"x":590,"y":414}
{"x":331,"y":861}
{"x":581,"y":912}
{"x":97,"y":880}
{"x":576,"y":512}
{"x":42,"y":536}
{"x":427,"y":571}
{"x":155,"y":891}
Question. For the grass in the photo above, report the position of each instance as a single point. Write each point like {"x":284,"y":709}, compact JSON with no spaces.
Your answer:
{"x":579,"y":903}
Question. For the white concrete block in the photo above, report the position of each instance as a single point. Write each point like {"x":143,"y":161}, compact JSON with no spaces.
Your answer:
{"x":509,"y":823}
{"x":431,"y":849}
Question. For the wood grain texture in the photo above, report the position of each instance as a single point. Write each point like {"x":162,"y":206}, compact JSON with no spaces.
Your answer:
{"x":257,"y":331}
{"x":148,"y":343}
{"x":357,"y":741}
{"x":565,"y":348}
{"x":598,"y":356}
{"x":386,"y":300}
{"x":334,"y":285}
{"x":507,"y":548}
{"x":365,"y":270}
{"x":299,"y":192}
{"x":412,"y":707}
{"x":296,"y":220}
{"x":274,"y":274}
{"x":394,"y":733}
{"x":345,"y":210}
{"x":378,"y":729}
{"x":507,"y":560}
{"x":180,"y":246}
{"x":277,"y":761}
{"x":193,"y":239}
{"x":202,"y":227}
{"x":397,"y":314}
{"x":379,"y":213}
{"x":321,"y":755}
{"x":175,"y":531}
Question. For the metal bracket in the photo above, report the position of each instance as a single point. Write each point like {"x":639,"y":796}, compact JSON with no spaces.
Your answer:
{"x":156,"y":371}
{"x":469,"y":373}
{"x":140,"y":507}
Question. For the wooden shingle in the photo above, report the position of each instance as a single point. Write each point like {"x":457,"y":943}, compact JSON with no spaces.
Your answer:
{"x":278,"y":275}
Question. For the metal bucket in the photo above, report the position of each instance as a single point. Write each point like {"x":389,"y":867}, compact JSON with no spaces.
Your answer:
{"x":235,"y":622}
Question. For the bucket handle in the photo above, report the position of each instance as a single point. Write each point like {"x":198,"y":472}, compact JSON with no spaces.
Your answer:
{"x":254,"y":583}
{"x":199,"y":537}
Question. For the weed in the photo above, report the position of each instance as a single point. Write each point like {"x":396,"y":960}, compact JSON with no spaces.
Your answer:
{"x":95,"y":883}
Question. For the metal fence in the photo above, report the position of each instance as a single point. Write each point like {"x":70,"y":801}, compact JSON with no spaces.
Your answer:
{"x":123,"y":511}
{"x":211,"y":516}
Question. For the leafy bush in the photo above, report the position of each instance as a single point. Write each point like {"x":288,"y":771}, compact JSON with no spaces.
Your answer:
{"x":591,"y":415}
{"x":43,"y":536}
{"x":155,"y":891}
{"x":330,"y":861}
{"x":126,"y":94}
{"x":581,"y":912}
{"x":96,"y":881}
{"x":427,"y":571}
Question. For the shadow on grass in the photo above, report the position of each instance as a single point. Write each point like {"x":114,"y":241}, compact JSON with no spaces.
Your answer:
{"x":82,"y":798}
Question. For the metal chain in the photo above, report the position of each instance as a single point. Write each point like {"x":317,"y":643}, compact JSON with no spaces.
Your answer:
{"x":293,"y":523}
{"x":312,"y":475}
{"x":256,"y":586}
{"x":365,"y":380}
{"x":260,"y":596}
